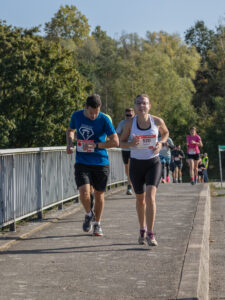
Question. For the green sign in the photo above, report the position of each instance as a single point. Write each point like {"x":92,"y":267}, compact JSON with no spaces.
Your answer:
{"x":221,"y":148}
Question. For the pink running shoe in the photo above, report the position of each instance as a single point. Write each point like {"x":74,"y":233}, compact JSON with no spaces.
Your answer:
{"x":167,"y":179}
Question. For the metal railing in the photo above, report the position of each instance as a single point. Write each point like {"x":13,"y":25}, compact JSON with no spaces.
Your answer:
{"x":34,"y":179}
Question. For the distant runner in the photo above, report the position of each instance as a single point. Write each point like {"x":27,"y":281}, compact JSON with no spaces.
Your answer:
{"x":194,"y":141}
{"x":165,"y":158}
{"x":129,"y":113}
{"x":177,"y":156}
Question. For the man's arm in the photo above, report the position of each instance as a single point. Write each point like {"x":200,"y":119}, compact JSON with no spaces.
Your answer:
{"x":163,"y":131}
{"x":69,"y":140}
{"x":112,"y":141}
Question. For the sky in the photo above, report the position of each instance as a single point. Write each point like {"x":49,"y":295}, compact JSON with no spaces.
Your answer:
{"x":120,"y":16}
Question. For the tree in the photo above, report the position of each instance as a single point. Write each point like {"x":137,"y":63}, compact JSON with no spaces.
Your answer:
{"x":39,"y":89}
{"x":68,"y":23}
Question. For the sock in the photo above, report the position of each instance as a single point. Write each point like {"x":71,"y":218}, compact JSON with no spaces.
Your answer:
{"x":192,"y":178}
{"x":129,"y":186}
{"x":97,"y":223}
{"x":89,"y":214}
{"x":142,"y":232}
{"x":150,"y":234}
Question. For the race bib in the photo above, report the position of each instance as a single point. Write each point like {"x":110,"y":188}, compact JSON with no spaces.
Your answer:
{"x":176,"y":158}
{"x":146,"y":142}
{"x":192,"y":151}
{"x":81,"y":143}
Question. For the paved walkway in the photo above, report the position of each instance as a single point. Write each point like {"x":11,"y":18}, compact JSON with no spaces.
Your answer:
{"x":61,"y":262}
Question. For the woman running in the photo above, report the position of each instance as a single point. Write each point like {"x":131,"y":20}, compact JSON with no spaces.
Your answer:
{"x":194,"y":141}
{"x":145,"y":166}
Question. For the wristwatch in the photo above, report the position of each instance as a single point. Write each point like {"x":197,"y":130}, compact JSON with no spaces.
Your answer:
{"x":96,"y":146}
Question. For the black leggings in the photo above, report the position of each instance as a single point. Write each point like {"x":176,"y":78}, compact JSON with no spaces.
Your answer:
{"x":147,"y":171}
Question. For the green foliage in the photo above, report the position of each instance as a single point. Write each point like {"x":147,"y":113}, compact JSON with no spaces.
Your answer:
{"x":68,"y":23}
{"x":39,"y":89}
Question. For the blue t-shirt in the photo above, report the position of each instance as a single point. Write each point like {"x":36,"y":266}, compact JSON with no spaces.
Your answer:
{"x":93,"y":130}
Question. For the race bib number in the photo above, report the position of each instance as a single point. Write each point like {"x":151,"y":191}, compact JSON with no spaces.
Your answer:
{"x":176,"y":158}
{"x":192,"y":151}
{"x":81,"y":143}
{"x":146,"y":142}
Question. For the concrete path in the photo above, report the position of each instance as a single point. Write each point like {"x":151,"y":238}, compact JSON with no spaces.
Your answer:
{"x":61,"y":262}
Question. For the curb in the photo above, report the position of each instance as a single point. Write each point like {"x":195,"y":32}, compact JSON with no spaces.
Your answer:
{"x":40,"y":227}
{"x":194,"y":283}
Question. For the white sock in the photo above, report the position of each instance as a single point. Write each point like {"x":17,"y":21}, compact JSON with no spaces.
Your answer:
{"x":89,"y":214}
{"x":97,"y":223}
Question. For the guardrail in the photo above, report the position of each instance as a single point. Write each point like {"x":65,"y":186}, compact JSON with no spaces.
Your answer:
{"x":34,"y":179}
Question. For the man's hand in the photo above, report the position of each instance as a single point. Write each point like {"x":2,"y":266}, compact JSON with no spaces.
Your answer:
{"x":69,"y":149}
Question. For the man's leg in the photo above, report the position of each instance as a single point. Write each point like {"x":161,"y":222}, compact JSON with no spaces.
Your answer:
{"x":84,"y":191}
{"x":99,"y":205}
{"x":163,"y":166}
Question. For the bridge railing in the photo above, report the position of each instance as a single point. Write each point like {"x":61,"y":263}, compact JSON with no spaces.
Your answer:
{"x":34,"y":179}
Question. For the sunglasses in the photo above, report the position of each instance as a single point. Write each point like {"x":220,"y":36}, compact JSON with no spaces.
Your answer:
{"x":128,"y":115}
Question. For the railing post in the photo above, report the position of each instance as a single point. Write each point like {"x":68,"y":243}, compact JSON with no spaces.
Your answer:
{"x":40,"y":188}
{"x":60,"y":206}
{"x":13,"y":225}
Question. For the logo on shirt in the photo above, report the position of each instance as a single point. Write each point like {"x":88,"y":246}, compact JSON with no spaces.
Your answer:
{"x":86,"y":132}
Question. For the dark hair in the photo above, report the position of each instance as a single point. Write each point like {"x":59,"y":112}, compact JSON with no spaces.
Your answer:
{"x":93,"y":101}
{"x":129,"y":109}
{"x":193,"y":128}
{"x":142,"y":96}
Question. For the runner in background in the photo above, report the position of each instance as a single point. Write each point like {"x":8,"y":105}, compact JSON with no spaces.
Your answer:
{"x":201,"y":168}
{"x":205,"y":161}
{"x":194,"y":141}
{"x":177,"y":155}
{"x":145,"y":166}
{"x":129,"y":113}
{"x":165,"y":158}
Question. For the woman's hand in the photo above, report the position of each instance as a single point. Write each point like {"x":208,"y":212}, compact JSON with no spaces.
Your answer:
{"x":158,"y":147}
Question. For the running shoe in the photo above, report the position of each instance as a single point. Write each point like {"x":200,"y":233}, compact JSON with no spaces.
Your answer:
{"x":151,"y":239}
{"x":87,"y":226}
{"x":192,"y":182}
{"x":163,"y":180}
{"x":141,"y":239}
{"x":97,"y":230}
{"x":167,"y":179}
{"x":129,"y":190}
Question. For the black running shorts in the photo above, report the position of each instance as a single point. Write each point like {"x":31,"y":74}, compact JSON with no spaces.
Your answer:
{"x":147,"y":171}
{"x":125,"y":156}
{"x":194,"y":156}
{"x":95,"y":175}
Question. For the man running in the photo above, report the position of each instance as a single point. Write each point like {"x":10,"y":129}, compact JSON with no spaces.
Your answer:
{"x":129,"y":113}
{"x":177,"y":155}
{"x":145,"y":166}
{"x":92,"y":164}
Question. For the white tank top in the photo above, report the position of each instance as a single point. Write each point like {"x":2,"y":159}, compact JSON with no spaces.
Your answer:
{"x":148,"y":139}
